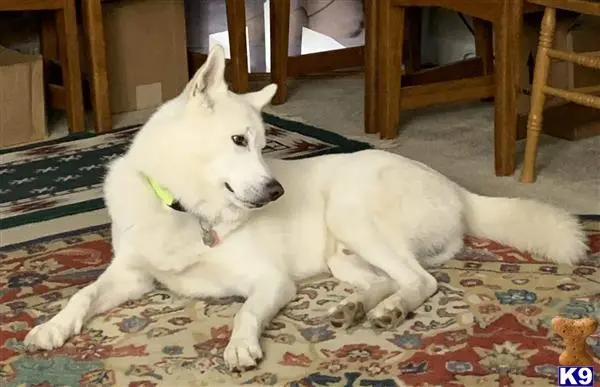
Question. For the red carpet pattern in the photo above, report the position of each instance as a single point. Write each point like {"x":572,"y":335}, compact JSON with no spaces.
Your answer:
{"x":487,"y":326}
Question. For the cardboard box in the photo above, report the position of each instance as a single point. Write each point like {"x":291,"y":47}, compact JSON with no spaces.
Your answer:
{"x":578,"y":34}
{"x":145,"y":52}
{"x":22,"y":110}
{"x":582,"y":36}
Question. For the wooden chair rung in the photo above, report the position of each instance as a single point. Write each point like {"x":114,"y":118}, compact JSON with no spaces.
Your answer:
{"x":584,"y":96}
{"x":579,"y":98}
{"x":461,"y":90}
{"x":581,"y":59}
{"x":586,"y":89}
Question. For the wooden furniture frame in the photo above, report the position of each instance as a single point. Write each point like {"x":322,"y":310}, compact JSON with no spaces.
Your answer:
{"x":236,"y":25}
{"x":94,"y":26}
{"x":236,"y":69}
{"x":59,"y":41}
{"x":284,"y":66}
{"x":546,"y":53}
{"x":94,"y":32}
{"x":490,"y":77}
{"x":310,"y":65}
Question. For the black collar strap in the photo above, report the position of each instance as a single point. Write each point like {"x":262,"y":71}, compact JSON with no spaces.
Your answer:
{"x":176,"y":205}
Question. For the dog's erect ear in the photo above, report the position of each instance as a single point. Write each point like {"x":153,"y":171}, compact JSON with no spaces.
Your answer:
{"x":259,"y":99}
{"x":210,"y":77}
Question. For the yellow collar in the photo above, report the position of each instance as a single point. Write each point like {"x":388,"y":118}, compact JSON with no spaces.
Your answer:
{"x":165,"y":195}
{"x":209,"y":235}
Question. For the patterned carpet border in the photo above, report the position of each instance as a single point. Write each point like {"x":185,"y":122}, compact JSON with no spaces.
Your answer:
{"x":40,"y":185}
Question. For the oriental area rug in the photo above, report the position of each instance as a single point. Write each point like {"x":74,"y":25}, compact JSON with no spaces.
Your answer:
{"x":489,"y":324}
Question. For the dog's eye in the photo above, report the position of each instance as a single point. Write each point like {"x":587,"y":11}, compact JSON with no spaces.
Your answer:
{"x":239,"y":140}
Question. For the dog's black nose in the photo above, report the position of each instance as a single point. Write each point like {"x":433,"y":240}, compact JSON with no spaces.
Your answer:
{"x":274,"y":190}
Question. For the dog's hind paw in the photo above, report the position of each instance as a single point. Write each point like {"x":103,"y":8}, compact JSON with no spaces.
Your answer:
{"x":387,"y":315}
{"x":391,"y":319}
{"x":347,"y":313}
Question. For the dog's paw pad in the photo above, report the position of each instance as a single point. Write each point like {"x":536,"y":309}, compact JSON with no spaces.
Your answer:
{"x":347,"y":314}
{"x":387,"y":319}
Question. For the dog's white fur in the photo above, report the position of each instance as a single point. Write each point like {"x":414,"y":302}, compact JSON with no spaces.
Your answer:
{"x":372,"y":218}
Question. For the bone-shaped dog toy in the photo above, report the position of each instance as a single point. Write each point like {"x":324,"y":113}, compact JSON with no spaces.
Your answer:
{"x":574,"y":333}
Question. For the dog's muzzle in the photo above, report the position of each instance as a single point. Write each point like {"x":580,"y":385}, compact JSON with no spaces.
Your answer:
{"x":271,"y":191}
{"x":274,"y":190}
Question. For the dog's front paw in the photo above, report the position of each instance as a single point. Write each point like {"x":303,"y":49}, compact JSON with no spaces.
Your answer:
{"x":51,"y":334}
{"x":242,"y":353}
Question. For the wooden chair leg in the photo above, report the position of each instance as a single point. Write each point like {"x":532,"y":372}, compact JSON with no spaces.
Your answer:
{"x":236,"y":26}
{"x":484,"y":44}
{"x":94,"y":26}
{"x":48,"y":38}
{"x":540,"y":78}
{"x":255,"y":25}
{"x":280,"y":36}
{"x":507,"y":68}
{"x":389,"y":51}
{"x":68,"y":48}
{"x":413,"y":23}
{"x":370,"y":114}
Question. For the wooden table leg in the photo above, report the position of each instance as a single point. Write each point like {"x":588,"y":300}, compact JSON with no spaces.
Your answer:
{"x":389,"y":50}
{"x":236,"y":26}
{"x":49,"y":38}
{"x":484,"y":47}
{"x":68,"y":48}
{"x":412,"y":25}
{"x":508,"y":28}
{"x":280,"y":38}
{"x":94,"y":31}
{"x":370,"y":113}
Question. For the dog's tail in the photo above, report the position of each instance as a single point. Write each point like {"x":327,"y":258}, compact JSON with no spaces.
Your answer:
{"x":527,"y":225}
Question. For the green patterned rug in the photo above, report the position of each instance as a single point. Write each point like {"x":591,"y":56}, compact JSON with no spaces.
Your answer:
{"x":58,"y":178}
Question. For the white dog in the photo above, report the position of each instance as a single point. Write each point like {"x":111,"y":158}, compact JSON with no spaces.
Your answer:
{"x":184,"y":200}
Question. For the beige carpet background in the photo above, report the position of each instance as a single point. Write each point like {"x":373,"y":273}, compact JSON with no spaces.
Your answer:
{"x":456,"y":140}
